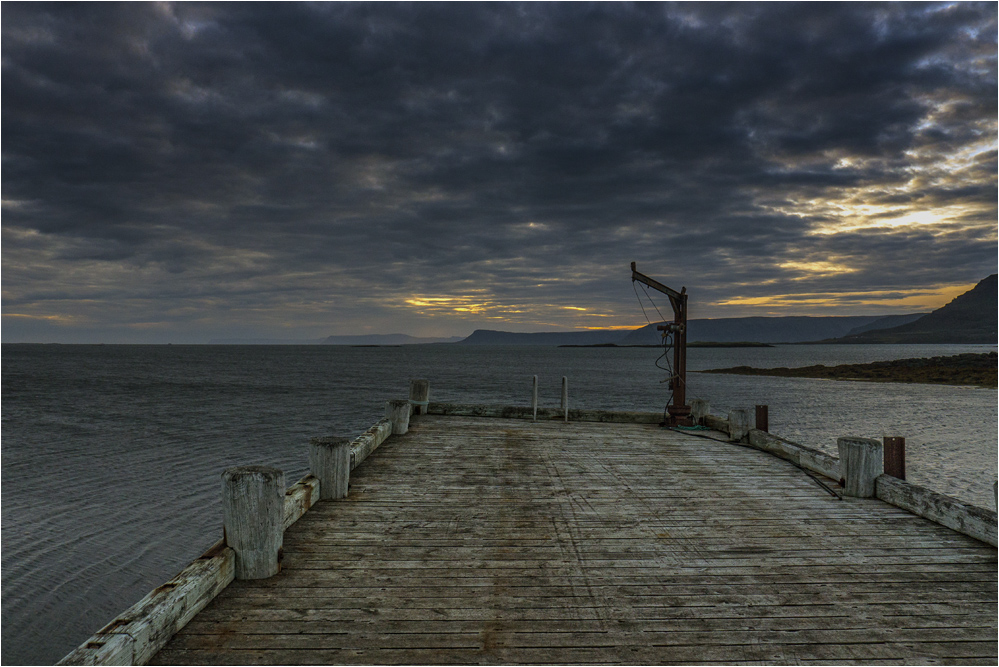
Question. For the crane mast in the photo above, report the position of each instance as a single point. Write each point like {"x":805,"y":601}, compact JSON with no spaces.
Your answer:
{"x":678,"y":412}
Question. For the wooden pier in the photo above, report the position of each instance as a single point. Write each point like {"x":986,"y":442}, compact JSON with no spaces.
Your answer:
{"x":471,"y":540}
{"x":482,"y":539}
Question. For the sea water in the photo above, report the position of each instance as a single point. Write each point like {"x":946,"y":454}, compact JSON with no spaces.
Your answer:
{"x":112,"y":455}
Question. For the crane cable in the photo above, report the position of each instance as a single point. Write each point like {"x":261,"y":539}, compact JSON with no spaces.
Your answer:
{"x":667,"y":340}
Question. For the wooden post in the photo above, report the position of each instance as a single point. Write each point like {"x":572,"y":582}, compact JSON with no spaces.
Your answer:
{"x":763,"y":418}
{"x":329,"y":462}
{"x":699,"y":409}
{"x":534,"y":398}
{"x":565,"y":398}
{"x":894,"y":456}
{"x":398,"y":412}
{"x":253,"y":519}
{"x":738,"y":425}
{"x":419,"y":396}
{"x":861,"y":461}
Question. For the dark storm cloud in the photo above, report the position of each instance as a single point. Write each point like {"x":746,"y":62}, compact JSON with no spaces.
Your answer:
{"x":340,"y":157}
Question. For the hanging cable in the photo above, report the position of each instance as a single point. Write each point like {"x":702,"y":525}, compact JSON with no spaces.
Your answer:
{"x":640,"y":302}
{"x":649,"y":297}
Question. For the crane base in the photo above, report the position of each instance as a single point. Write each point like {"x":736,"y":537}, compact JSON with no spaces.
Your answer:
{"x":678,"y":415}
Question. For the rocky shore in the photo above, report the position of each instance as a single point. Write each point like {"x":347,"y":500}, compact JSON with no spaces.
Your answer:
{"x":962,"y":369}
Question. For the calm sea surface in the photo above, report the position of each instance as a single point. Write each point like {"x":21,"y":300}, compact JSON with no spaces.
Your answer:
{"x":112,"y":454}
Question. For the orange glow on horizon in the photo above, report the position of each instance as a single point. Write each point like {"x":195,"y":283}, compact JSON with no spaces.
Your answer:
{"x":526,"y":316}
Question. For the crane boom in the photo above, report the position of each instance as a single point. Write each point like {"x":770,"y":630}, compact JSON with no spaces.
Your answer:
{"x":655,"y":284}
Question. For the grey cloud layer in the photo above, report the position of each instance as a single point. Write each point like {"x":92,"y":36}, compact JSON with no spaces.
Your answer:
{"x":192,"y":157}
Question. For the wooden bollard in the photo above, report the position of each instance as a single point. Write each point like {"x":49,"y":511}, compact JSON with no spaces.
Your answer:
{"x":699,"y":409}
{"x":534,"y":398}
{"x":329,"y":462}
{"x":419,"y":396}
{"x":738,"y":425}
{"x":861,"y":461}
{"x":565,"y":398}
{"x":763,"y":418}
{"x":253,"y":519}
{"x":894,"y":456}
{"x":397,"y":411}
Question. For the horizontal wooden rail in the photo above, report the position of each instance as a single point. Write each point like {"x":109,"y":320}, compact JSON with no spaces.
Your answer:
{"x":518,"y":412}
{"x":144,"y":628}
{"x":971,"y":520}
{"x":363,"y":445}
{"x":806,"y":457}
{"x":299,"y":497}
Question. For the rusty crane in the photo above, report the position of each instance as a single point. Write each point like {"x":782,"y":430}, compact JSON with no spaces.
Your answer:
{"x":673,"y":333}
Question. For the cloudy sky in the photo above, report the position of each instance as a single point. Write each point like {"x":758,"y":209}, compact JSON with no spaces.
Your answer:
{"x":182,"y":172}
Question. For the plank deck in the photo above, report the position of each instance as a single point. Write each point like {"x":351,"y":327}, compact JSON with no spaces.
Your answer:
{"x":477,"y":540}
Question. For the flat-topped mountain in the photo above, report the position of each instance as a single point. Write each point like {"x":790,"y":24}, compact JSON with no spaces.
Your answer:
{"x":489,"y":337}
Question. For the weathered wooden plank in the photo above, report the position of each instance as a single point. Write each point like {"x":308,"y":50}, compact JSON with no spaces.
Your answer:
{"x":846,"y":654}
{"x":967,"y":519}
{"x":715,"y":422}
{"x":625,"y":597}
{"x":363,"y":445}
{"x":104,"y":648}
{"x":148,"y":625}
{"x":620,"y":558}
{"x":389,"y":606}
{"x":565,"y":577}
{"x":285,"y":621}
{"x":836,"y":654}
{"x":807,"y":457}
{"x":298,"y":498}
{"x":314,"y":635}
{"x":824,"y":574}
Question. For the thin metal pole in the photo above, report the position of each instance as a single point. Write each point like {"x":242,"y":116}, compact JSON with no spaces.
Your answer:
{"x":565,"y":398}
{"x":534,"y":398}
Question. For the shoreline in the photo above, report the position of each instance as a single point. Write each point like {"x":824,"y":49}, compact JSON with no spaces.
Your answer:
{"x":689,"y":345}
{"x":961,"y":370}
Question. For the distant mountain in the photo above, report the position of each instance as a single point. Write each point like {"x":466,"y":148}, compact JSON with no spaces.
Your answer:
{"x":264,"y":341}
{"x":488,"y":337}
{"x":364,"y":339}
{"x":886,"y":322}
{"x":766,"y":329}
{"x":385,"y":339}
{"x":969,"y":318}
{"x":722,"y":330}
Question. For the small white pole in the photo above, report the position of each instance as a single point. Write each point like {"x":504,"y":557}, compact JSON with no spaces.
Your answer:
{"x":534,"y":398}
{"x":565,"y":398}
